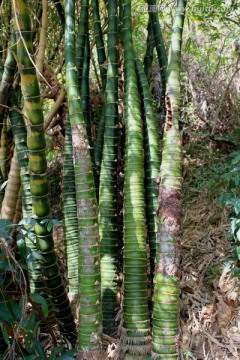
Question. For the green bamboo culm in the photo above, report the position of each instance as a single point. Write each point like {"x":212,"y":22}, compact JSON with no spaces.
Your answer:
{"x":85,"y":92}
{"x":108,"y":181}
{"x":82,"y":35}
{"x":19,"y":130}
{"x":37,"y":168}
{"x":5,"y":84}
{"x":60,"y":11}
{"x":84,"y":88}
{"x":98,"y":146}
{"x":148,"y":56}
{"x":101,"y":54}
{"x":151,"y":161}
{"x":167,"y":271}
{"x":90,"y":314}
{"x":61,"y":16}
{"x":135,"y":336}
{"x":102,"y":60}
{"x":20,"y":137}
{"x":1,"y":177}
{"x":159,"y":43}
{"x":120,"y":17}
{"x":11,"y":190}
{"x":7,"y":80}
{"x":70,"y":221}
{"x":4,"y":149}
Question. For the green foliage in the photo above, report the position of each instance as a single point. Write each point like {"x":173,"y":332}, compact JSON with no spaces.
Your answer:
{"x":188,"y":355}
{"x":15,"y":314}
{"x":223,"y":181}
{"x":218,"y":175}
{"x":213,"y":271}
{"x":20,"y":312}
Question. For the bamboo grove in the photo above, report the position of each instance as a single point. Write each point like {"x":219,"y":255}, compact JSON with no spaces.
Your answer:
{"x":120,"y":183}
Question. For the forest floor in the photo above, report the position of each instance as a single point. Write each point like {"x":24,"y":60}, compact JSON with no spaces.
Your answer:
{"x":210,"y":301}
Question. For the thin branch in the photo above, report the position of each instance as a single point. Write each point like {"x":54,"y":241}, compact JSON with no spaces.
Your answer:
{"x":43,"y":38}
{"x":232,"y":20}
{"x":48,"y":326}
{"x":219,"y":108}
{"x":54,"y":109}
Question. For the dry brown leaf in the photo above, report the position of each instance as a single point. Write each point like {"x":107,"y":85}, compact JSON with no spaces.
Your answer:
{"x":224,"y":313}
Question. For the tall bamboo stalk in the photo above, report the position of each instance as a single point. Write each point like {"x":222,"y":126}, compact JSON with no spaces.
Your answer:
{"x":135,"y":337}
{"x":90,"y":314}
{"x":10,"y":196}
{"x":6,"y":80}
{"x":99,"y":42}
{"x":4,"y":149}
{"x":148,"y":56}
{"x":20,"y":138}
{"x":108,"y":181}
{"x":37,"y":168}
{"x":11,"y":191}
{"x":71,"y":240}
{"x":1,"y":176}
{"x":85,"y":91}
{"x":81,"y":38}
{"x":167,"y":271}
{"x":5,"y":84}
{"x":159,"y":43}
{"x":151,"y":161}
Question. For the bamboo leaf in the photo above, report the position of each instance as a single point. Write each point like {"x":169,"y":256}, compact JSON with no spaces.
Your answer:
{"x":5,"y":314}
{"x":39,"y":349}
{"x":22,"y":246}
{"x":42,"y":302}
{"x":237,"y":207}
{"x":56,"y":351}
{"x":49,"y":226}
{"x":16,"y":310}
{"x":28,"y":221}
{"x":5,"y":333}
{"x":69,"y":355}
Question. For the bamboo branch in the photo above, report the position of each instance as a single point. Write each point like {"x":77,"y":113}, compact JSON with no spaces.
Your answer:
{"x":42,"y":317}
{"x":43,"y":38}
{"x":54,"y":109}
{"x":232,"y":20}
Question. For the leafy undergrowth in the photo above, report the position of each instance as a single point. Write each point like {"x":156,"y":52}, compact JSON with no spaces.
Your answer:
{"x":210,"y":302}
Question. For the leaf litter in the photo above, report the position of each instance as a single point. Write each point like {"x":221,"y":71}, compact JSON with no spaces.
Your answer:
{"x":209,"y":305}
